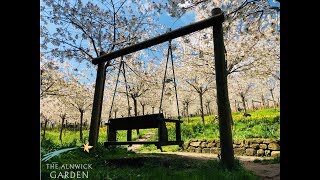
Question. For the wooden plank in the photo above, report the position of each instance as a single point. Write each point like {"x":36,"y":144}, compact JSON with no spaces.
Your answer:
{"x":129,"y":142}
{"x":178,"y":132}
{"x":215,"y":19}
{"x":109,"y":143}
{"x":143,"y":117}
{"x":112,"y":134}
{"x":172,"y":120}
{"x":137,"y":122}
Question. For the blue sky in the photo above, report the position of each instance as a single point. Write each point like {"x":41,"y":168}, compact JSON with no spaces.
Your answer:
{"x":165,"y":20}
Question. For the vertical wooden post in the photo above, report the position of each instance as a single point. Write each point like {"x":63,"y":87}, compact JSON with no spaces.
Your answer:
{"x":112,"y":134}
{"x":80,"y":128}
{"x":129,"y":135}
{"x":178,"y":131}
{"x":224,"y":110}
{"x":97,"y":104}
{"x":159,"y":134}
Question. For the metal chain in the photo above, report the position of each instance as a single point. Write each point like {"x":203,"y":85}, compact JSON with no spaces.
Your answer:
{"x":164,"y":79}
{"x":126,"y":84}
{"x":115,"y":89}
{"x":174,"y":80}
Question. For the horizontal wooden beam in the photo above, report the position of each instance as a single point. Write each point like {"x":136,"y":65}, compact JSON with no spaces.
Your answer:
{"x":142,"y":142}
{"x":172,"y":120}
{"x":218,"y":18}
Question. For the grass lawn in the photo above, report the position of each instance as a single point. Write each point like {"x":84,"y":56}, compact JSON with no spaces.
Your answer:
{"x":263,"y":123}
{"x":118,"y":163}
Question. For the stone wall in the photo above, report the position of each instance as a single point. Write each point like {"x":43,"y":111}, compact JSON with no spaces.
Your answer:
{"x":244,"y":147}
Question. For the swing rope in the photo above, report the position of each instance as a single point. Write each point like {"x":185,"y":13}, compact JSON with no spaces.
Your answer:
{"x":174,"y":80}
{"x":115,"y":89}
{"x":126,"y":84}
{"x":164,"y":78}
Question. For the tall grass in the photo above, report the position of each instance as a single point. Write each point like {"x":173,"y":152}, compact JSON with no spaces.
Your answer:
{"x":263,"y":123}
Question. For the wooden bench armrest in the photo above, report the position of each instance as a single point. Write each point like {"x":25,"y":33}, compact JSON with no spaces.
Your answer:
{"x":172,"y":120}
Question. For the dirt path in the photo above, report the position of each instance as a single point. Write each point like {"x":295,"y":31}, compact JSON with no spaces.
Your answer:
{"x":143,"y":138}
{"x":265,"y":171}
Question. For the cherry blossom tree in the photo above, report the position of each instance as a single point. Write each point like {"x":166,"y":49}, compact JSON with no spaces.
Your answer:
{"x":81,"y":101}
{"x":51,"y":80}
{"x":83,"y":29}
{"x":272,"y":84}
{"x":187,"y":99}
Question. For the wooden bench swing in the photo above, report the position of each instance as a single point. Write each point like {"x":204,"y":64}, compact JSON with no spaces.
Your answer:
{"x":146,"y":121}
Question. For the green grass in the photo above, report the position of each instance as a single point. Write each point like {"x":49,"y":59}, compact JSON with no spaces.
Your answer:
{"x":74,"y":136}
{"x":118,"y":163}
{"x":268,"y":161}
{"x":113,"y":163}
{"x":263,"y":123}
{"x":255,"y":114}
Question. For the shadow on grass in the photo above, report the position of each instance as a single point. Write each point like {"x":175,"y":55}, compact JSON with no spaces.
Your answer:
{"x":268,"y":161}
{"x":118,"y":163}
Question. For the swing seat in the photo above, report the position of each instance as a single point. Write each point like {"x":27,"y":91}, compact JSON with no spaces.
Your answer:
{"x":143,"y":122}
{"x":137,"y":122}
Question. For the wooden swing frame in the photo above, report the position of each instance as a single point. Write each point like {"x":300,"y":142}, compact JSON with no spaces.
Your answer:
{"x":224,"y":110}
{"x":143,"y":122}
{"x":146,"y":121}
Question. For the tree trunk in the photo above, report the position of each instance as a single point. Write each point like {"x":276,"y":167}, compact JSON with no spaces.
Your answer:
{"x":97,"y":104}
{"x":65,"y":127}
{"x":252,"y":104}
{"x":62,"y":122}
{"x":274,"y":101}
{"x":224,"y":110}
{"x":244,"y":103}
{"x":263,"y":101}
{"x":235,"y":105}
{"x":209,"y":110}
{"x":115,"y":114}
{"x":201,"y":106}
{"x":81,"y":119}
{"x":135,"y":104}
{"x":187,"y":109}
{"x":44,"y":128}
